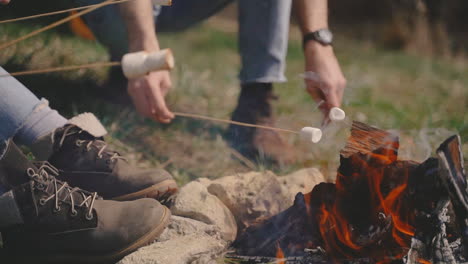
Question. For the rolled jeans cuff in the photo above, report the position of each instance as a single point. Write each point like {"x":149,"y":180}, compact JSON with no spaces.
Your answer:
{"x":279,"y":78}
{"x":3,"y":148}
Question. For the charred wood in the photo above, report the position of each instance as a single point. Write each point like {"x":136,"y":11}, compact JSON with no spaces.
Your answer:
{"x":380,"y":209}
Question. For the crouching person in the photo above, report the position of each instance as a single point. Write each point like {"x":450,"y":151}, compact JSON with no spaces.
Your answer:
{"x":58,"y":209}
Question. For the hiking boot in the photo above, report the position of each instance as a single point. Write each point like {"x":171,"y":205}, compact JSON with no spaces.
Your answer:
{"x":254,"y":107}
{"x":85,"y":160}
{"x":45,"y":220}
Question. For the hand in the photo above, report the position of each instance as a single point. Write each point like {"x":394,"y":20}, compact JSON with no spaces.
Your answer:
{"x":4,"y":2}
{"x":328,"y":85}
{"x":148,"y":95}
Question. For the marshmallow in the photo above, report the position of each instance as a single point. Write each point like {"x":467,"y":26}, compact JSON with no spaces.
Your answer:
{"x":138,"y":64}
{"x":162,"y":2}
{"x":337,"y":114}
{"x":311,"y":134}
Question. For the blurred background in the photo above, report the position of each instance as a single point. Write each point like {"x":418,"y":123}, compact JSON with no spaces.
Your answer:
{"x":405,"y":62}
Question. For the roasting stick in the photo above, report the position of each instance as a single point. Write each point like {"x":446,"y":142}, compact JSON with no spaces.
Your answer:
{"x":55,"y":12}
{"x":148,"y":62}
{"x":195,"y":116}
{"x":157,"y":2}
{"x":63,"y":68}
{"x":307,"y":133}
{"x":336,"y":114}
{"x":65,"y":20}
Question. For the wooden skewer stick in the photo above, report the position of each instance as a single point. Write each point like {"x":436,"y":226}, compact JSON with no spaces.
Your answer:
{"x":233,"y":122}
{"x":55,"y":24}
{"x":65,"y":20}
{"x":157,"y":2}
{"x":56,"y":12}
{"x":64,"y":68}
{"x":153,"y":61}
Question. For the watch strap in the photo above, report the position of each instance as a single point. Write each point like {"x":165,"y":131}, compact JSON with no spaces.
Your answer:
{"x":313,"y":36}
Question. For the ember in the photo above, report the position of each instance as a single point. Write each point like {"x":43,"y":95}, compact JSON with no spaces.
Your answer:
{"x":380,"y":210}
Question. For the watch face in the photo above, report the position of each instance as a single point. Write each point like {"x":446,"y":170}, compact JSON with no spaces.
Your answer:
{"x":325,"y":36}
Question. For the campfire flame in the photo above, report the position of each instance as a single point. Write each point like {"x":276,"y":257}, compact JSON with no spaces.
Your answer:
{"x":338,"y":231}
{"x":370,"y":213}
{"x":280,"y":255}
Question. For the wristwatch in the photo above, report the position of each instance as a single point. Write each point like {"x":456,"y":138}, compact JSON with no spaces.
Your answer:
{"x":323,"y":36}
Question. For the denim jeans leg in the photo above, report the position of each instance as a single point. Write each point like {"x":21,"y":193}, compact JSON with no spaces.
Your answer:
{"x":263,"y":31}
{"x":186,"y":13}
{"x":3,"y":147}
{"x":23,"y":114}
{"x":263,"y":39}
{"x":109,"y":28}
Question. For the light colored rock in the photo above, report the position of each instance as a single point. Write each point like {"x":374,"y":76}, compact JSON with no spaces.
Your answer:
{"x":185,"y":241}
{"x":251,"y":196}
{"x":195,"y":202}
{"x":204,"y":181}
{"x":301,"y":181}
{"x":182,"y":226}
{"x":179,"y":250}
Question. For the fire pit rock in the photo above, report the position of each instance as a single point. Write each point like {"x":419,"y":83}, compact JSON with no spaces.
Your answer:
{"x":301,"y":181}
{"x":255,"y":196}
{"x":195,"y":202}
{"x":203,"y":225}
{"x":184,"y":241}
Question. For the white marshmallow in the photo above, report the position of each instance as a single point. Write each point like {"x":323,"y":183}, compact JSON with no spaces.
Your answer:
{"x":140,"y":63}
{"x":133,"y":64}
{"x":159,"y":60}
{"x":162,"y":2}
{"x":337,"y":114}
{"x":311,"y":134}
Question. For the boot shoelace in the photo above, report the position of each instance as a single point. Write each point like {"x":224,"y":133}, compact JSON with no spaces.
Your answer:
{"x":43,"y":180}
{"x":100,"y":145}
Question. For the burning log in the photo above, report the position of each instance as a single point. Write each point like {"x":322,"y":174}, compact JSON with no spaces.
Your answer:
{"x":442,"y":228}
{"x":378,"y":210}
{"x":453,"y":176}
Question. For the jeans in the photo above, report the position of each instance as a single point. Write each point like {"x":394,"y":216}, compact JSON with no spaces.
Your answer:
{"x":22,"y":115}
{"x":263,"y":31}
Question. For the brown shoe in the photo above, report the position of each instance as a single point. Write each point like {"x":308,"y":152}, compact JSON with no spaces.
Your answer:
{"x":254,"y":107}
{"x":85,"y":160}
{"x":46,"y":220}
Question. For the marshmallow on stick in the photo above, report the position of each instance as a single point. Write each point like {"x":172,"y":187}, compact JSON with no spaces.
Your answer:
{"x":162,"y":2}
{"x":337,"y":114}
{"x":311,"y":134}
{"x":138,"y":64}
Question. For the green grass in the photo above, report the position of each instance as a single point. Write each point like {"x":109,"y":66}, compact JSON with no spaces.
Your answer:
{"x":425,"y":99}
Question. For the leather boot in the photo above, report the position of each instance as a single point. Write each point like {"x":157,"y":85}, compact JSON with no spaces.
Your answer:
{"x":85,"y":160}
{"x":43,"y":219}
{"x":255,"y":107}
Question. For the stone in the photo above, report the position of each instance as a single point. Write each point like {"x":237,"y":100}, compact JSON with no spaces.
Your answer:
{"x":204,"y":181}
{"x":182,"y":226}
{"x":195,"y":202}
{"x":185,"y":241}
{"x":252,"y":196}
{"x":301,"y":181}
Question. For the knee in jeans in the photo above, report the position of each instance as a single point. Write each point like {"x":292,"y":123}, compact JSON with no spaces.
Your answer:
{"x":41,"y":106}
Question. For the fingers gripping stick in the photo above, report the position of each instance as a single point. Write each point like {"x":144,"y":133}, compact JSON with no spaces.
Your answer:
{"x":138,"y":64}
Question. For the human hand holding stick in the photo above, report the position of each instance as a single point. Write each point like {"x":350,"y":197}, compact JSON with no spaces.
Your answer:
{"x":149,"y":82}
{"x":323,"y":77}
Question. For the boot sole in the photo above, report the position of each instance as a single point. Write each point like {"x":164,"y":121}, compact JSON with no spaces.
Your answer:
{"x":110,"y":258}
{"x":160,"y":191}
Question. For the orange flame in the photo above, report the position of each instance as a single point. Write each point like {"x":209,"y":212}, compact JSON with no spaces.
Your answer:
{"x":279,"y":255}
{"x":423,"y":261}
{"x":335,"y":227}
